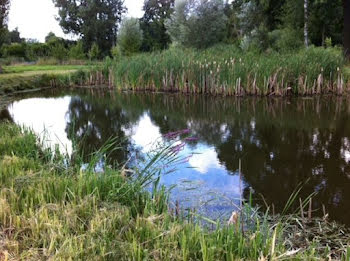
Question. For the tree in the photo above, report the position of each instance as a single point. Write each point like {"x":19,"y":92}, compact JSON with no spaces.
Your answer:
{"x":4,"y":10}
{"x":51,"y":37}
{"x":152,"y":24}
{"x":130,"y":37}
{"x":346,"y":39}
{"x":306,"y":23}
{"x":197,"y":23}
{"x":325,"y":21}
{"x":95,"y":21}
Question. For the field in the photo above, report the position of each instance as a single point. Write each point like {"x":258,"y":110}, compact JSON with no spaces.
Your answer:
{"x":51,"y":210}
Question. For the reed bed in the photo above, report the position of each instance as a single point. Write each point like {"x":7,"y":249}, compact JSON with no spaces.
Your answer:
{"x":57,"y":211}
{"x":226,"y":70}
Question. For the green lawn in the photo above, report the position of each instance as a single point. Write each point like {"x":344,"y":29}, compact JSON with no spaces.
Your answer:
{"x":28,"y":77}
{"x":36,"y":68}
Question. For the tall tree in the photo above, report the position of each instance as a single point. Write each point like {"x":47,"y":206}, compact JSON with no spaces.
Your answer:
{"x":325,"y":21}
{"x":95,"y":21}
{"x":152,"y":24}
{"x":346,"y":41}
{"x":4,"y":10}
{"x":198,"y":23}
{"x":130,"y":36}
{"x":306,"y":23}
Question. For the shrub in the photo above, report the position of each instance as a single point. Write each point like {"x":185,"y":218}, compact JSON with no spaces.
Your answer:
{"x":116,"y":52}
{"x":59,"y":51}
{"x":77,"y":51}
{"x":130,"y":37}
{"x":94,"y":52}
{"x":285,"y":39}
{"x":15,"y":50}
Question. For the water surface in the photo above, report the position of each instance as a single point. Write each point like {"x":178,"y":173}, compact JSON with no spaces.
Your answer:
{"x":281,"y":142}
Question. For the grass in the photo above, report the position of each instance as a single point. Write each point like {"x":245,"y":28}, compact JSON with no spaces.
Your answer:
{"x":20,"y":78}
{"x":226,"y":70}
{"x":40,"y":68}
{"x":58,"y":211}
{"x":347,"y":71}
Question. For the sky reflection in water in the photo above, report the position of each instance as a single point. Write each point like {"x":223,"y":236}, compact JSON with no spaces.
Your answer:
{"x":281,"y":142}
{"x":201,"y":179}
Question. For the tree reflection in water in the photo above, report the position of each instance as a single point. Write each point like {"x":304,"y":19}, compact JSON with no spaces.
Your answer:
{"x":281,"y":142}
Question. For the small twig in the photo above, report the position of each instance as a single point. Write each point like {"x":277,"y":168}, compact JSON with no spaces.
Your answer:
{"x":310,"y":209}
{"x":301,"y":210}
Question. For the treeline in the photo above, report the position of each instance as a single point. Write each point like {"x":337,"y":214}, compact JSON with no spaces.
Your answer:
{"x":280,"y":25}
{"x":15,"y":48}
{"x":261,"y":25}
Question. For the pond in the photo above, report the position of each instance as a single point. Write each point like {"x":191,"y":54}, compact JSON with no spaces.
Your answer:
{"x":281,"y":142}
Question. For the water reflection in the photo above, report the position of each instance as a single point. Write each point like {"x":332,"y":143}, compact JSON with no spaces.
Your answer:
{"x":281,"y":142}
{"x":5,"y":115}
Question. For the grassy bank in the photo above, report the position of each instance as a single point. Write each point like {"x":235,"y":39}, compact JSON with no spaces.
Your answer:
{"x":226,"y":70}
{"x":30,"y":77}
{"x":54,"y":210}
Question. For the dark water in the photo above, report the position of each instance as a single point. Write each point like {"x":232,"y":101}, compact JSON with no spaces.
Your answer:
{"x":281,"y":142}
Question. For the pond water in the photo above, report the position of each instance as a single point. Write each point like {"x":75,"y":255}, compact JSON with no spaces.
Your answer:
{"x":280,"y":142}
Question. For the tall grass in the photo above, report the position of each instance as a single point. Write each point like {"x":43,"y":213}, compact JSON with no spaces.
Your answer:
{"x":226,"y":70}
{"x":65,"y":213}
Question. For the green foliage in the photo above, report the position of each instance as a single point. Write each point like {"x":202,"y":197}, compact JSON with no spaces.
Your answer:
{"x":4,"y":11}
{"x":51,"y":37}
{"x":58,"y":51}
{"x":286,"y":39}
{"x":95,"y":21}
{"x":197,"y":23}
{"x":328,"y":42}
{"x":94,"y":53}
{"x":226,"y":70}
{"x":130,"y":37}
{"x":108,"y":216}
{"x":15,"y":49}
{"x":152,"y":24}
{"x":35,"y":51}
{"x":116,"y":52}
{"x":77,"y":51}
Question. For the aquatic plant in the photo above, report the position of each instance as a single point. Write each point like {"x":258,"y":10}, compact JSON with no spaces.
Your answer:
{"x":225,"y":70}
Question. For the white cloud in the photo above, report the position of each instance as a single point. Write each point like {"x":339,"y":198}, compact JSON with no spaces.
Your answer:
{"x":205,"y":159}
{"x":145,"y":133}
{"x":36,"y":18}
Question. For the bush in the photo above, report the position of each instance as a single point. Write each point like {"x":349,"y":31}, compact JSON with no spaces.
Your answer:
{"x":59,"y":52}
{"x":285,"y":39}
{"x":130,"y":37}
{"x":94,"y":53}
{"x":77,"y":51}
{"x":15,"y":50}
{"x":35,"y":51}
{"x":116,"y":52}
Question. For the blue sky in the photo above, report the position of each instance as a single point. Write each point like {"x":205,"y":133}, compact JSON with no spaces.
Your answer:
{"x":36,"y":18}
